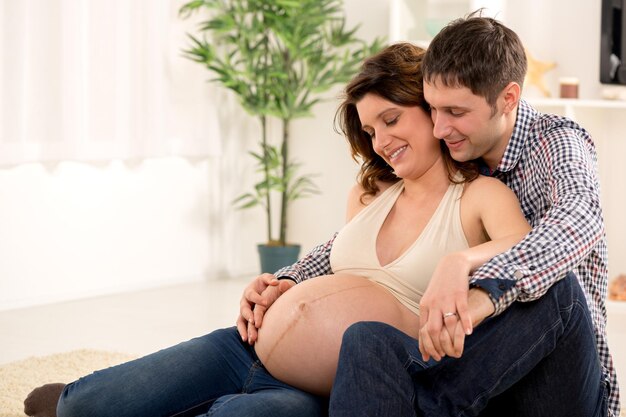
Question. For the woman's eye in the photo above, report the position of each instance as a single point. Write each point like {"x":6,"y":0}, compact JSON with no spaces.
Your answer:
{"x":392,"y":121}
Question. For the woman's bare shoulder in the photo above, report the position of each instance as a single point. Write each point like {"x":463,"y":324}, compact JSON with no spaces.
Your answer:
{"x":483,"y":184}
{"x":358,"y":200}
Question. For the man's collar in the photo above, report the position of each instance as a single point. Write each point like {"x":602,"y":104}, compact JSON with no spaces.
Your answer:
{"x":526,"y":116}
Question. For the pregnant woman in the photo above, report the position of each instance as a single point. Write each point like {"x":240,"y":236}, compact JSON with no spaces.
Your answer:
{"x":415,"y":213}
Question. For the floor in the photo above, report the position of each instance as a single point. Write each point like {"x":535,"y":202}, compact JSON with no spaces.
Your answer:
{"x":135,"y":323}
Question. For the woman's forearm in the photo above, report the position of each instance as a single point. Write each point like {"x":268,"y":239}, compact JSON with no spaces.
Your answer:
{"x":472,"y":258}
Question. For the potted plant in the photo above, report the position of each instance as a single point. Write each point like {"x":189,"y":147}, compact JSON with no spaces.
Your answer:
{"x":277,"y":56}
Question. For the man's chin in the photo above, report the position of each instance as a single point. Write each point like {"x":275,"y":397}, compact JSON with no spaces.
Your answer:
{"x":460,"y":156}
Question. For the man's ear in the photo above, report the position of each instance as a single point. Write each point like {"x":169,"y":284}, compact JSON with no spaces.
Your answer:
{"x":510,"y":95}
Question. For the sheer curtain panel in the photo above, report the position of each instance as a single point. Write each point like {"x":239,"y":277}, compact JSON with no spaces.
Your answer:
{"x":96,"y":80}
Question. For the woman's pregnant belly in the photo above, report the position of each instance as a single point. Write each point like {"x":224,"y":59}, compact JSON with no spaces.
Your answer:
{"x":301,"y":333}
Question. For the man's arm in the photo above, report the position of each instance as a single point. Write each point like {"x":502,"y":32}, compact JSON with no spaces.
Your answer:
{"x":314,"y":264}
{"x":564,"y":235}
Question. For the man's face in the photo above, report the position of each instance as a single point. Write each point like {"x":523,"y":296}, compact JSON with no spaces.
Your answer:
{"x":467,"y":123}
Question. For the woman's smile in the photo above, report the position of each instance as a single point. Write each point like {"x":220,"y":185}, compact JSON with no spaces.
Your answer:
{"x":397,"y":152}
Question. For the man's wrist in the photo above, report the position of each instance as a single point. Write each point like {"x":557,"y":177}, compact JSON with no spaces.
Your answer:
{"x":480,"y":305}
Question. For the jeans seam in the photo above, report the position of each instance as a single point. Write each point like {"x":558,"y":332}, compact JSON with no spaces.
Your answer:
{"x":182,"y":413}
{"x":253,"y":369}
{"x":214,"y":409}
{"x":489,"y":391}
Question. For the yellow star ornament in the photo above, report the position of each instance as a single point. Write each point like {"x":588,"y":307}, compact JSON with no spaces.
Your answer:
{"x":536,"y":71}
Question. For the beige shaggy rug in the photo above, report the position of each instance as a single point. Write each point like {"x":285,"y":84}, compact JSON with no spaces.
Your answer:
{"x":19,"y":378}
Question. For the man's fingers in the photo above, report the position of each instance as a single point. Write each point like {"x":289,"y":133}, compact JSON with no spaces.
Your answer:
{"x":259,"y":312}
{"x":270,"y":279}
{"x":252,"y":334}
{"x":434,"y":328}
{"x":459,"y":340}
{"x":284,"y":285}
{"x":464,"y":315}
{"x":445,"y":341}
{"x":427,"y":347}
{"x":450,"y":322}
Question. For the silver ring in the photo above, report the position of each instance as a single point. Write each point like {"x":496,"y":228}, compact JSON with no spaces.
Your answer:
{"x":450,"y":314}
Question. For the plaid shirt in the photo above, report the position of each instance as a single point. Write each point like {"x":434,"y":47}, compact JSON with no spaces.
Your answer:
{"x":551,"y":165}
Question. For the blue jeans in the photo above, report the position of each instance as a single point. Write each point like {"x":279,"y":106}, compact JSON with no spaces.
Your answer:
{"x":535,"y":359}
{"x":214,"y":375}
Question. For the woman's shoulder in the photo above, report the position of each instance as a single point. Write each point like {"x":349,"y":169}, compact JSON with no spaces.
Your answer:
{"x":358,"y":192}
{"x":358,"y":199}
{"x":483,"y":183}
{"x":487,"y":190}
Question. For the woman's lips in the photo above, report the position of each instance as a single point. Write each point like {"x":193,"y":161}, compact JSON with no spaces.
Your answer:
{"x":397,"y":152}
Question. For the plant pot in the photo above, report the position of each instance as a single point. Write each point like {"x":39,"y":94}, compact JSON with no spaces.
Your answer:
{"x":274,"y":257}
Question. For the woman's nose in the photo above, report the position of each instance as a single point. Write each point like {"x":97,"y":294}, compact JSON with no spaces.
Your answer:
{"x":382,"y":141}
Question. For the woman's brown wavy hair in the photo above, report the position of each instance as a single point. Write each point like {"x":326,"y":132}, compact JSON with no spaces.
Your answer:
{"x":395,"y":74}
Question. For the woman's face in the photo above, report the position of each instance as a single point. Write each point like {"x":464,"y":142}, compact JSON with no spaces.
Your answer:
{"x":402,"y":136}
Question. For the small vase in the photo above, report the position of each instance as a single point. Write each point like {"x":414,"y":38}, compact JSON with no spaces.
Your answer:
{"x":275,"y":257}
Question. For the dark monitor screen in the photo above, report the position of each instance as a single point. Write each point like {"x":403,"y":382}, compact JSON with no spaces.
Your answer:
{"x":613,"y":42}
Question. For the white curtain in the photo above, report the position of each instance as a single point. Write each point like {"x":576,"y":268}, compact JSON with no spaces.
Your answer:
{"x":96,"y":80}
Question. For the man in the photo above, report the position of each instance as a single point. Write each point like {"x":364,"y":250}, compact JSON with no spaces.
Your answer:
{"x":534,"y":316}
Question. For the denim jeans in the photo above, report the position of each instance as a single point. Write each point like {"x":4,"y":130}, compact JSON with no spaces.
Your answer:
{"x":536,"y":359}
{"x":214,"y":375}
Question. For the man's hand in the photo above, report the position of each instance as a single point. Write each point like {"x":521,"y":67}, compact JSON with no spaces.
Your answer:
{"x":257,"y":297}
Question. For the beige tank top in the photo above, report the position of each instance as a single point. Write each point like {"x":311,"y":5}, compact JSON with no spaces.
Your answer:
{"x":354,"y":248}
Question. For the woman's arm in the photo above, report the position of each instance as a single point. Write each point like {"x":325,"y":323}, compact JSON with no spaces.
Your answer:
{"x":491,"y":205}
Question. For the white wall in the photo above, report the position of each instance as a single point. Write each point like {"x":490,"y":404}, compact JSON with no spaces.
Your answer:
{"x":75,"y":230}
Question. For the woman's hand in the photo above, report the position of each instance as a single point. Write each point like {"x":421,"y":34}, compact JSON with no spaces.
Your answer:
{"x":257,"y":297}
{"x":444,"y":314}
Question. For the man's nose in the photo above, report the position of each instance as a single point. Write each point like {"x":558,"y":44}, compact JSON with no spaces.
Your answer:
{"x":441,"y":126}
